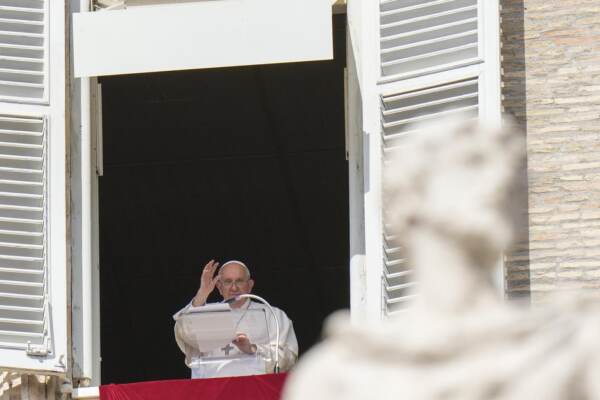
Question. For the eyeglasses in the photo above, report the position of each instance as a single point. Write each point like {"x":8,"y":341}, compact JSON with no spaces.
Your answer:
{"x":238,"y":282}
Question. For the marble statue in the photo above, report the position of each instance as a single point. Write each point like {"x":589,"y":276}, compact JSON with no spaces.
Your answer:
{"x":451,"y":193}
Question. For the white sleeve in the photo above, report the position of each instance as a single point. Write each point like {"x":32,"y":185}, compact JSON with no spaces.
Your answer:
{"x":188,"y":351}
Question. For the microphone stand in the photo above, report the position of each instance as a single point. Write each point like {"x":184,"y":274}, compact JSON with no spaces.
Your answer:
{"x":255,"y":297}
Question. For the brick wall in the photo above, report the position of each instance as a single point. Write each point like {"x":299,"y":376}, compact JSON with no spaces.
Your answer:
{"x":551,"y":62}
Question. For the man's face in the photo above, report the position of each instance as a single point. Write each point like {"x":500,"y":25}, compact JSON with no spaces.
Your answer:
{"x":233,"y":281}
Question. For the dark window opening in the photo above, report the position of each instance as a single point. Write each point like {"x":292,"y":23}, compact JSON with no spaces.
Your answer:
{"x":236,"y":163}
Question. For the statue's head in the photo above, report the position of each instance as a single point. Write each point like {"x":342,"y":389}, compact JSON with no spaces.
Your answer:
{"x":461,"y":180}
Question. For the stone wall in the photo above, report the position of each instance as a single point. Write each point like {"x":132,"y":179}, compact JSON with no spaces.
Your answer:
{"x":551,"y":63}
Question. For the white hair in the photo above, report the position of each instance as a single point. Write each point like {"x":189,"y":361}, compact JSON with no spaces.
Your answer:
{"x":244,"y":267}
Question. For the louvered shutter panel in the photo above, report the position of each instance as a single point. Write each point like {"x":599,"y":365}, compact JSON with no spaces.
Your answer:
{"x":398,"y":112}
{"x":420,"y":106}
{"x":419,"y":61}
{"x":419,"y":37}
{"x":398,"y":277}
{"x":23,"y":52}
{"x":23,"y":266}
{"x":33,"y":189}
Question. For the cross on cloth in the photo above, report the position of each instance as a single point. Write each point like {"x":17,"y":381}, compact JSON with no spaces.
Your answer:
{"x":227,"y":349}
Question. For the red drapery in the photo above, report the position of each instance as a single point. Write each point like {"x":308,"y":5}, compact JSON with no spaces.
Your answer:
{"x":258,"y":387}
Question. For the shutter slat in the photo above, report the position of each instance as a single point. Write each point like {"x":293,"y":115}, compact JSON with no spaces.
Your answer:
{"x":14,"y":46}
{"x":12,"y":345}
{"x":23,"y":158}
{"x":21,"y":145}
{"x":21,"y":59}
{"x":430,"y":55}
{"x":391,"y":250}
{"x":389,"y":238}
{"x":20,"y":246}
{"x":412,"y":7}
{"x":19,"y":270}
{"x":21,"y":321}
{"x":430,"y":116}
{"x":17,"y":132}
{"x":20,"y":233}
{"x":436,"y":89}
{"x":21,"y":183}
{"x":394,"y":262}
{"x":428,"y":42}
{"x":448,"y":100}
{"x":22,"y":221}
{"x":403,"y":299}
{"x":431,"y":29}
{"x":20,"y":208}
{"x":21,"y":120}
{"x":21,"y":170}
{"x":21,"y":195}
{"x":20,"y":283}
{"x":21,"y":296}
{"x":21,"y":22}
{"x":23,"y":309}
{"x":428,"y":17}
{"x":402,"y":286}
{"x":22,"y":34}
{"x":22,"y":334}
{"x":19,"y":340}
{"x":396,"y":137}
{"x":400,"y":274}
{"x":13,"y":313}
{"x":22,"y":84}
{"x":23,"y":9}
{"x":391,"y":149}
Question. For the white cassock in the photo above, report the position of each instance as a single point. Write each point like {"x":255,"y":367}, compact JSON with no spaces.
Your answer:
{"x":263,"y":362}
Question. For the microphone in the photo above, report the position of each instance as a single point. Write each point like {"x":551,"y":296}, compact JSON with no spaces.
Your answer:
{"x":266,"y":303}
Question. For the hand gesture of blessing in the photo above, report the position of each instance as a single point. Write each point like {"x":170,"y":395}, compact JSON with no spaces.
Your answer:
{"x":208,"y":280}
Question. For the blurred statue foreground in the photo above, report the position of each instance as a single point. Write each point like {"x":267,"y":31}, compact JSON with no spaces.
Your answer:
{"x":451,"y":191}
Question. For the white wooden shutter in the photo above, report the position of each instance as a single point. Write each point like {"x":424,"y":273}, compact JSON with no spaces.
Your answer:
{"x":28,"y":323}
{"x":23,"y":264}
{"x":427,"y":59}
{"x":23,"y":50}
{"x":33,"y":192}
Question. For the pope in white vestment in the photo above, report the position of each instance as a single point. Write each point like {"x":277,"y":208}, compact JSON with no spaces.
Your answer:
{"x":252,"y":352}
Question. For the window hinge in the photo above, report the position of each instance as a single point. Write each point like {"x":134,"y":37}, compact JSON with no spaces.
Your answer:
{"x":37,"y":351}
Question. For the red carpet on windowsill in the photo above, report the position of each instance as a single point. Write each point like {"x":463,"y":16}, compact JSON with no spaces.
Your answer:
{"x":258,"y":387}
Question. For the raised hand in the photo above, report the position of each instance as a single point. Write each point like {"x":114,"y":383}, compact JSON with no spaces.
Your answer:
{"x":208,"y":281}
